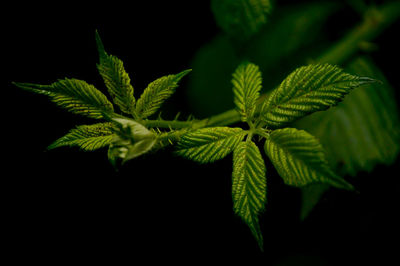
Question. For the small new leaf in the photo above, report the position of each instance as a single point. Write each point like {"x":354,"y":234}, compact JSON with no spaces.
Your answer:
{"x":87,"y":137}
{"x":246,"y":89}
{"x":249,"y":186}
{"x":209,"y":144}
{"x":300,"y":159}
{"x":132,"y":140}
{"x":116,"y":79}
{"x":74,"y":95}
{"x":306,"y":90}
{"x":157,"y":92}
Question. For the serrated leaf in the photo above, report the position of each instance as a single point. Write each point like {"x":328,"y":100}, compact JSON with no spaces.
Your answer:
{"x":209,"y":144}
{"x":132,"y":140}
{"x":241,"y":19}
{"x":249,"y":186}
{"x":300,"y":159}
{"x":359,"y":133}
{"x":76,"y":96}
{"x":116,"y":79}
{"x":306,"y":90}
{"x":87,"y":137}
{"x":157,"y":92}
{"x":364,"y":129}
{"x":246,"y":89}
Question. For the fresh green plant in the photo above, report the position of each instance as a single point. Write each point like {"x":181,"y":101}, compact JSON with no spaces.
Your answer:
{"x":130,"y":126}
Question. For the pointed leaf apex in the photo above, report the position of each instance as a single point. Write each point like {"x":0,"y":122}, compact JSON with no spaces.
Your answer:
{"x":100,"y":46}
{"x":180,"y":75}
{"x":367,"y":80}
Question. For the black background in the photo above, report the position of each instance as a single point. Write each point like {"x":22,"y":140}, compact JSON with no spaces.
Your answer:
{"x":67,"y":205}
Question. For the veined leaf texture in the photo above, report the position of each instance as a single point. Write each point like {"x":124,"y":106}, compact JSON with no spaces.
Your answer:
{"x":157,"y":92}
{"x":87,"y":137}
{"x":299,"y":159}
{"x":116,"y":79}
{"x":209,"y":144}
{"x":75,"y":95}
{"x":249,"y":184}
{"x":306,"y":90}
{"x":247,"y":83}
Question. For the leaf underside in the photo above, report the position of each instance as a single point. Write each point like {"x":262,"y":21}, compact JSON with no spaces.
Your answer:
{"x":299,"y":159}
{"x":246,"y":89}
{"x":306,"y":90}
{"x":76,"y":96}
{"x":209,"y":144}
{"x":87,"y":137}
{"x":249,"y":186}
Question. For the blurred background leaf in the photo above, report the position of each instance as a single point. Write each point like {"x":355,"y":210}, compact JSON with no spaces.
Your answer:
{"x":286,"y":41}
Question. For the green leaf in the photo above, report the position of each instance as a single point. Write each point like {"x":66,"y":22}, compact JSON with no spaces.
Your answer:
{"x":241,"y":19}
{"x":246,"y":88}
{"x":306,"y":90}
{"x":74,"y":95}
{"x":299,"y":159}
{"x":116,"y":79}
{"x":249,"y":186}
{"x":132,"y":140}
{"x":364,"y":129}
{"x":209,"y":144}
{"x":157,"y":92}
{"x":87,"y":137}
{"x":293,"y":35}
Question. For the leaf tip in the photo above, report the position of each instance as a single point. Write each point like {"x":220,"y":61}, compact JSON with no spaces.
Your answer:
{"x":180,"y":75}
{"x":367,"y":80}
{"x":100,"y":46}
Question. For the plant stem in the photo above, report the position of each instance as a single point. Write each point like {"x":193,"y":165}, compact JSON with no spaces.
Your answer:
{"x":375,"y":21}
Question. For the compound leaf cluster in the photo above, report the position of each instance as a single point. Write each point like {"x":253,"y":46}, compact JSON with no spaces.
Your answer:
{"x":298,"y":156}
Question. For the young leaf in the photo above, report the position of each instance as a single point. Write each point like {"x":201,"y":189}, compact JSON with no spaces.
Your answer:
{"x":306,"y":90}
{"x":74,"y":95}
{"x":241,"y":18}
{"x":87,"y":137}
{"x":249,"y":186}
{"x":209,"y":144}
{"x":246,"y":88}
{"x":132,"y":140}
{"x":116,"y":79}
{"x":299,"y":159}
{"x":157,"y":92}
